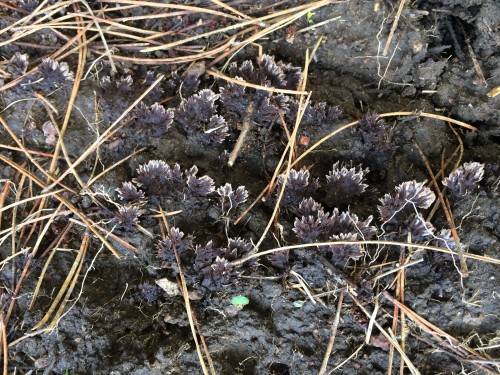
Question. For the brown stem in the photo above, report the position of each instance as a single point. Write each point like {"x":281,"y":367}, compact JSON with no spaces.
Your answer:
{"x":243,"y":135}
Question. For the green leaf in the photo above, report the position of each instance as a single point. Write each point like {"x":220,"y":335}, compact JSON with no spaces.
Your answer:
{"x":299,"y":304}
{"x":240,"y":301}
{"x":310,"y":16}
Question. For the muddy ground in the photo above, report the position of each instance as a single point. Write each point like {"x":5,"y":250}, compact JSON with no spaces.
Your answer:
{"x":120,"y":322}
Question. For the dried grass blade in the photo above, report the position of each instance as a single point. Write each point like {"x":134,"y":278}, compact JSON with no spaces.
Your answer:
{"x":269,"y":29}
{"x":447,"y":211}
{"x":304,"y":286}
{"x":48,"y":12}
{"x":108,"y":234}
{"x":108,"y":133}
{"x":28,"y":263}
{"x":82,"y":53}
{"x":58,"y":55}
{"x":372,"y":321}
{"x":307,"y":7}
{"x":313,"y":246}
{"x":95,"y":178}
{"x":19,"y":191}
{"x":389,"y":336}
{"x":22,"y":147}
{"x":441,"y":336}
{"x":47,"y":263}
{"x":157,"y":5}
{"x":173,"y":60}
{"x":104,"y":42}
{"x":88,"y":222}
{"x":218,"y":74}
{"x":5,"y":348}
{"x":185,"y":295}
{"x":333,"y":333}
{"x":394,"y":27}
{"x":389,"y":114}
{"x":28,"y":221}
{"x":231,"y":9}
{"x":3,"y":196}
{"x":290,"y":147}
{"x":83,"y":250}
{"x":72,"y":274}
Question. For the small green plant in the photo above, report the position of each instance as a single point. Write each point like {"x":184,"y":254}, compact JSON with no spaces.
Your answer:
{"x":298,"y":304}
{"x":310,"y":19}
{"x":239,"y":302}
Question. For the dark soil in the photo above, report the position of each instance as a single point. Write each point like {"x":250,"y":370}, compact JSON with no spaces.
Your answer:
{"x":112,"y":325}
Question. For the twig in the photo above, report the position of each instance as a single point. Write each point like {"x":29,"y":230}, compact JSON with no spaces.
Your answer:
{"x":389,"y":336}
{"x":291,"y":143}
{"x":108,"y":133}
{"x":402,"y":267}
{"x":5,"y":349}
{"x":105,"y":44}
{"x":354,"y":354}
{"x":62,"y":235}
{"x":185,"y":295}
{"x":218,"y":74}
{"x":463,"y":265}
{"x":69,"y":282}
{"x":394,"y":27}
{"x":157,"y":5}
{"x":314,"y":246}
{"x":442,"y":337}
{"x":477,"y":67}
{"x":304,"y":286}
{"x":389,"y":114}
{"x":333,"y":333}
{"x":231,"y":9}
{"x":303,"y":9}
{"x":95,"y":178}
{"x":243,"y":134}
{"x":67,"y":203}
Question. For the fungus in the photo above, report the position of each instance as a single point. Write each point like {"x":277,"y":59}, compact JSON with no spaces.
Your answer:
{"x":464,"y":180}
{"x":53,"y":74}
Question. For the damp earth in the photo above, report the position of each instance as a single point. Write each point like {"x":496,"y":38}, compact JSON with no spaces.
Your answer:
{"x":125,"y":312}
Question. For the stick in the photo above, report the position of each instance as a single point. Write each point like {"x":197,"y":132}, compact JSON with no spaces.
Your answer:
{"x":333,"y":333}
{"x":314,"y":246}
{"x":243,"y":134}
{"x":463,"y":265}
{"x":394,"y":26}
{"x":104,"y":136}
{"x":185,"y":294}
